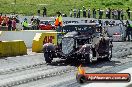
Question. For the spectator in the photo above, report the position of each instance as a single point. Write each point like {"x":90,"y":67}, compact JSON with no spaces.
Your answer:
{"x":109,"y":13}
{"x":94,"y":13}
{"x":34,"y":24}
{"x":17,"y":19}
{"x":128,"y":12}
{"x":128,"y":30}
{"x":38,"y":21}
{"x":89,"y":13}
{"x":32,"y":19}
{"x":38,"y":12}
{"x":119,"y":14}
{"x":6,"y":19}
{"x":116,"y":14}
{"x":3,"y":17}
{"x":122,"y":14}
{"x":59,"y":22}
{"x":64,"y":15}
{"x":25,"y":24}
{"x":131,"y":31}
{"x":9,"y":24}
{"x":71,"y":13}
{"x":14,"y":24}
{"x":84,"y":12}
{"x":75,"y":12}
{"x":78,"y":13}
{"x":4,"y":22}
{"x":0,"y":18}
{"x":44,"y":12}
{"x":100,"y":13}
{"x":112,"y":12}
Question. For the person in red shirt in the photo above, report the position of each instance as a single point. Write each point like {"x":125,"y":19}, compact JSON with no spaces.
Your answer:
{"x":0,"y":18}
{"x":9,"y":24}
{"x":14,"y":24}
{"x":4,"y":23}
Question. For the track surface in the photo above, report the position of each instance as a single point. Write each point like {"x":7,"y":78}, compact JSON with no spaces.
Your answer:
{"x":32,"y":71}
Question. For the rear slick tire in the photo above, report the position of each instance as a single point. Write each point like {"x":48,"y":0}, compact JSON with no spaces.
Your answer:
{"x":81,"y":79}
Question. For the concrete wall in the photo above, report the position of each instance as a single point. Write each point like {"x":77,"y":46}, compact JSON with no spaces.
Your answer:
{"x":26,"y":36}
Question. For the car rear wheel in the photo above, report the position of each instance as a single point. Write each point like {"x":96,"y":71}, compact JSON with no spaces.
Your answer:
{"x":81,"y":79}
{"x":71,"y":60}
{"x":48,"y":58}
{"x":89,"y":57}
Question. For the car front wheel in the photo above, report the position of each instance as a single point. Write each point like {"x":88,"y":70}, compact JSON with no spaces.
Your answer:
{"x":109,"y":56}
{"x":48,"y":58}
{"x":89,"y":57}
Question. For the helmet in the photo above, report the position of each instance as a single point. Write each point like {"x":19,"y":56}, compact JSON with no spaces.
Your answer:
{"x":25,"y":18}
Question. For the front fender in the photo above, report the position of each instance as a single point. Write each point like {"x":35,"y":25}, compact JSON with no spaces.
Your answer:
{"x":85,"y":49}
{"x":48,"y":47}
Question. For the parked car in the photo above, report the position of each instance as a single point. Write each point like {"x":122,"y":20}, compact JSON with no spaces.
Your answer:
{"x":77,"y":45}
{"x":117,"y":32}
{"x":47,"y":25}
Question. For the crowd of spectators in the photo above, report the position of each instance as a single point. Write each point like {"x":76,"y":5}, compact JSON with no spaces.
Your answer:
{"x":35,"y":23}
{"x":32,"y":25}
{"x":8,"y":23}
{"x":118,"y":14}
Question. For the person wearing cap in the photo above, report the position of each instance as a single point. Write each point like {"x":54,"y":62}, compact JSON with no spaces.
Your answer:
{"x":25,"y":24}
{"x":58,"y":22}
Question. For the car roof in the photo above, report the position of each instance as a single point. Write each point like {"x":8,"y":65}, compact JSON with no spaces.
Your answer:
{"x":46,"y":20}
{"x":71,"y":34}
{"x":80,"y":24}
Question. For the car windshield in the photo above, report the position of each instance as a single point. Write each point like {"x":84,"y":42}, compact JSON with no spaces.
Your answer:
{"x":47,"y":22}
{"x":44,"y":22}
{"x":87,"y":29}
{"x":51,"y":22}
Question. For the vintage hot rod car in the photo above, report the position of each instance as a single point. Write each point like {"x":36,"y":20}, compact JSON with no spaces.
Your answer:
{"x":76,"y":45}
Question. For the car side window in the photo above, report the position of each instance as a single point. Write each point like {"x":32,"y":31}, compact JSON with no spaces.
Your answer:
{"x":82,"y":41}
{"x":46,"y":23}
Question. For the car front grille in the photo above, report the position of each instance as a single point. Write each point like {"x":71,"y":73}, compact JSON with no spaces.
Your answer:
{"x":67,"y":45}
